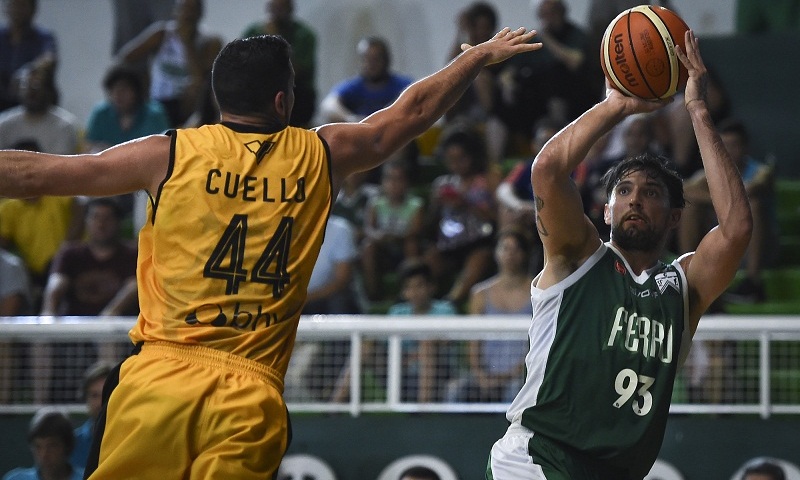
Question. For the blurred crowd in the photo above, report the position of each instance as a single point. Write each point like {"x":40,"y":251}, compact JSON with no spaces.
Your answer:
{"x":446,"y":227}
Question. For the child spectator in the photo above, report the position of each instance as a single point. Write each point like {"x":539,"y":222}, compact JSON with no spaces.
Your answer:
{"x":462,"y":214}
{"x":51,"y":440}
{"x":427,"y":363}
{"x":392,"y":229}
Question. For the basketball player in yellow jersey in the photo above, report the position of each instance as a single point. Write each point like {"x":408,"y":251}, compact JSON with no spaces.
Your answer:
{"x":236,"y":220}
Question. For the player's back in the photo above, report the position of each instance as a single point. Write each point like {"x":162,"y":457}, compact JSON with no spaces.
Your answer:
{"x":227,"y":252}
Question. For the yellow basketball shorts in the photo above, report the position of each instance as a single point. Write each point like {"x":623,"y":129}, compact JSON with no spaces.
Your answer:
{"x":186,"y":412}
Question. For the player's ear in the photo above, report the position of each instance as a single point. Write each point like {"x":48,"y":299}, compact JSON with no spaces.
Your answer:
{"x":607,"y":214}
{"x":281,"y":104}
{"x":675,"y":217}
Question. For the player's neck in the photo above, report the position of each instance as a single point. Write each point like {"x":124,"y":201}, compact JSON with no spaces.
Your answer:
{"x":640,"y":260}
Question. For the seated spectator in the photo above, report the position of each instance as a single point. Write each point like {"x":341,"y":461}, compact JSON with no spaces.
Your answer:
{"x":15,"y":300}
{"x":15,"y":288}
{"x":281,"y":21}
{"x":125,"y":114}
{"x":51,"y":440}
{"x":496,"y":367}
{"x":710,"y":361}
{"x":478,"y":106}
{"x":462,"y":216}
{"x":759,"y":183}
{"x":34,"y":228}
{"x":515,"y":194}
{"x":427,"y":364}
{"x":374,"y":88}
{"x":96,"y":276}
{"x":93,"y":381}
{"x":555,"y":82}
{"x":351,"y":202}
{"x":91,"y":278}
{"x":38,"y":120}
{"x":180,"y":70}
{"x":331,"y":291}
{"x":392,"y":230}
{"x":674,"y":126}
{"x":23,"y":46}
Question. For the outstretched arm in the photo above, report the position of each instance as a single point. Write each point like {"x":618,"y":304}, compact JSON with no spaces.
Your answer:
{"x":568,"y":236}
{"x":136,"y":165}
{"x":711,"y":268}
{"x":361,"y":146}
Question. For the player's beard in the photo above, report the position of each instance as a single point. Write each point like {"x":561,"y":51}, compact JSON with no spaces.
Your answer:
{"x":636,"y":239}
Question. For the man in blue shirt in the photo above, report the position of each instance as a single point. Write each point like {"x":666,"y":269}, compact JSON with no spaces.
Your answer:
{"x":374,"y":88}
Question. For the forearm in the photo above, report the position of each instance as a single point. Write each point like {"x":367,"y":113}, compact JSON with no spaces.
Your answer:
{"x":728,"y":195}
{"x":567,"y":150}
{"x":427,"y":100}
{"x":18,"y":177}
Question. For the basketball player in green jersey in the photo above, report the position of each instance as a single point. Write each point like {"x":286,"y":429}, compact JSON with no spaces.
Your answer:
{"x":236,"y":219}
{"x":611,"y":322}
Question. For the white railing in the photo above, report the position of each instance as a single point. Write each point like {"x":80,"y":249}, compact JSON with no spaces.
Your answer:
{"x":761,"y":339}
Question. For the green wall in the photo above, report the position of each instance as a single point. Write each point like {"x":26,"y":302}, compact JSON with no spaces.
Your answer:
{"x":701,"y":448}
{"x":760,"y":73}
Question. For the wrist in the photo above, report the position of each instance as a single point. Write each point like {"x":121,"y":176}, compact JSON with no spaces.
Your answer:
{"x":696,"y":104}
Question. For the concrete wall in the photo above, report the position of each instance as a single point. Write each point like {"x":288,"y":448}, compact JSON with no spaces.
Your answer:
{"x":420,"y":32}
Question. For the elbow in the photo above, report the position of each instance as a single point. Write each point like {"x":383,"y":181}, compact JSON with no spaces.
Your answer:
{"x":545,"y":167}
{"x":740,"y":230}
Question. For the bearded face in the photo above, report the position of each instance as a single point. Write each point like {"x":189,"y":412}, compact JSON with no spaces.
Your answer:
{"x":644,"y":238}
{"x":639,"y":213}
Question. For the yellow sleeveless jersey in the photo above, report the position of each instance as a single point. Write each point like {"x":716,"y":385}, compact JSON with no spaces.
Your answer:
{"x":230,"y":243}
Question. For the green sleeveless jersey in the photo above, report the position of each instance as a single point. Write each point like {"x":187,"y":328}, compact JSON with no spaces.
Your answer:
{"x":605,"y":348}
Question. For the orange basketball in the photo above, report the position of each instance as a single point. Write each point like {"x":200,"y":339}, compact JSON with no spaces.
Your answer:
{"x":638,"y":52}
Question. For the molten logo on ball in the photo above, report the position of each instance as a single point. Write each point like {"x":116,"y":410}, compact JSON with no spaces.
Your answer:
{"x":622,"y":62}
{"x":638,"y":52}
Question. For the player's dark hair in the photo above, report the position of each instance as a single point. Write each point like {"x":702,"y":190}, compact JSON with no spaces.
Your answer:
{"x":373,"y":41}
{"x":774,"y":471}
{"x":420,"y":473}
{"x":127,"y":74}
{"x":248,"y":73}
{"x":472,"y":142}
{"x":110,"y":202}
{"x":519,"y":235}
{"x":416,"y":268}
{"x":655,"y":166}
{"x":51,"y":423}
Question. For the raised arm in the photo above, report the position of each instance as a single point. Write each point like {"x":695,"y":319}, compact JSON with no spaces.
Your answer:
{"x":361,"y":146}
{"x":568,"y":236}
{"x":711,"y":268}
{"x":136,"y":165}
